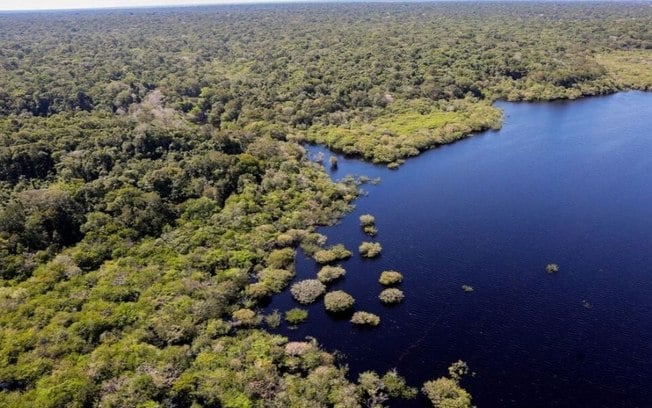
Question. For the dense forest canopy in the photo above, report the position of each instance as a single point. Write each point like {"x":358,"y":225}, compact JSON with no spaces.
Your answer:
{"x":153,"y":187}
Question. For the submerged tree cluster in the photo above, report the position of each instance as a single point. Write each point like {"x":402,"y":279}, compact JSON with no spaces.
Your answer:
{"x":153,"y":189}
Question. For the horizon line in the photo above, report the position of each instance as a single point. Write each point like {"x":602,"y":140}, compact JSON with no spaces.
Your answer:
{"x":271,"y":2}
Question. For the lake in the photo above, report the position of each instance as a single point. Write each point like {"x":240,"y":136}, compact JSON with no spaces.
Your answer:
{"x":562,"y":182}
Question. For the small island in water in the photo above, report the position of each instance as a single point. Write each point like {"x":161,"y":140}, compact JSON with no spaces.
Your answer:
{"x":167,"y":238}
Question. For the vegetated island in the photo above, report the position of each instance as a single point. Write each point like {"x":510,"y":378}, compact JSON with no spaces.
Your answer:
{"x":153,"y":186}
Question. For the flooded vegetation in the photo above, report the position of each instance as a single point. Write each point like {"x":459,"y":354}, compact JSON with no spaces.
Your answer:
{"x":370,"y":249}
{"x":166,"y":213}
{"x":552,"y":268}
{"x":391,"y":296}
{"x":307,"y":291}
{"x":481,"y":238}
{"x":365,"y":319}
{"x":389,"y":278}
{"x":338,"y":301}
{"x":296,"y":316}
{"x":329,"y":273}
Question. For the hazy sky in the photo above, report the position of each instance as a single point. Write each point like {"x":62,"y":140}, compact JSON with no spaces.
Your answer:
{"x":67,"y":4}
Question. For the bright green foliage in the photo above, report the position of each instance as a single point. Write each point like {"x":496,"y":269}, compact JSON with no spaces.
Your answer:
{"x":296,"y":316}
{"x":630,"y":69}
{"x":407,"y":128}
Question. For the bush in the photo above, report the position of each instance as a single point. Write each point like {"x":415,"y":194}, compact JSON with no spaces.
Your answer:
{"x":388,"y":278}
{"x":285,"y":240}
{"x":370,"y":249}
{"x":275,"y":279}
{"x":258,"y":290}
{"x":446,"y":393}
{"x":280,"y":258}
{"x":367,"y":220}
{"x":333,"y":254}
{"x":338,"y":301}
{"x":391,"y":296}
{"x":396,"y":386}
{"x":246,"y":317}
{"x":370,"y":230}
{"x":330,"y":273}
{"x":273,"y":319}
{"x":552,"y":268}
{"x":307,"y":291}
{"x":365,"y":318}
{"x":467,"y":288}
{"x":368,"y":223}
{"x":376,"y":389}
{"x":296,"y":316}
{"x":458,"y":369}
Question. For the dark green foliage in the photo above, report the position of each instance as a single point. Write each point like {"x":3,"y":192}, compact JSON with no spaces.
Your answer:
{"x":33,"y":161}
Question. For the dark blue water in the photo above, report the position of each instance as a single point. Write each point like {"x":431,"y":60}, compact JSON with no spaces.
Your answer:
{"x":569,"y":183}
